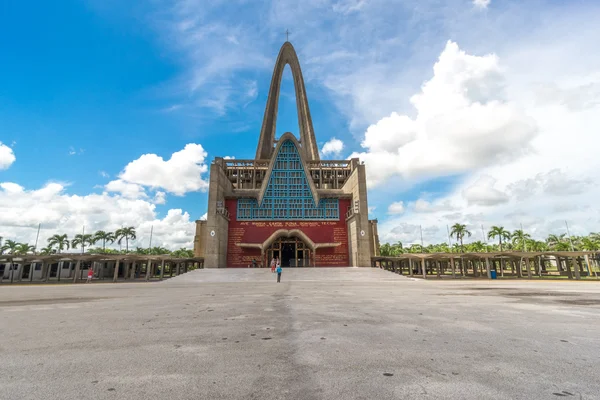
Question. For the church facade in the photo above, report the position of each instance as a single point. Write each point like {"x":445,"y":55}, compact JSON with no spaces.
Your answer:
{"x":287,"y":202}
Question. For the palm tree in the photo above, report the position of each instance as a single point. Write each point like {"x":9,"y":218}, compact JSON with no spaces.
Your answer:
{"x":11,"y":246}
{"x":500,"y":233}
{"x":125,"y":233}
{"x":385,"y":250}
{"x":104,"y":237}
{"x":477,"y":247}
{"x":554,"y":241}
{"x":459,"y":231}
{"x":536,"y":245}
{"x":520,"y":238}
{"x":24,"y":248}
{"x":142,"y":251}
{"x":60,"y":241}
{"x":46,"y":251}
{"x":397,"y":249}
{"x":588,"y":244}
{"x":157,"y":251}
{"x":414,"y":248}
{"x":183,"y":253}
{"x":81,"y":239}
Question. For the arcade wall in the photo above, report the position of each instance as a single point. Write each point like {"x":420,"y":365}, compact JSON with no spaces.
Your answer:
{"x":259,"y":231}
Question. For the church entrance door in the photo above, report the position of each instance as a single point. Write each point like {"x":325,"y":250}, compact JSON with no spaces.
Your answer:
{"x":292,"y":252}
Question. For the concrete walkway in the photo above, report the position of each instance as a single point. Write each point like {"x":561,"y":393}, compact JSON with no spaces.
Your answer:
{"x":288,"y":275}
{"x":320,"y":334}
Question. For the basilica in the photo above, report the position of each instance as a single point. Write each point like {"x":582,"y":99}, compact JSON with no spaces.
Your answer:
{"x":287,"y":202}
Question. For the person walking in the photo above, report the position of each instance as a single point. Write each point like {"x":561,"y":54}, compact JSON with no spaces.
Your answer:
{"x":90,"y":275}
{"x":273,"y":262}
{"x":278,"y":272}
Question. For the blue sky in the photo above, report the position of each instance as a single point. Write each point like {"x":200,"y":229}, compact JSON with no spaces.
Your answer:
{"x":90,"y":87}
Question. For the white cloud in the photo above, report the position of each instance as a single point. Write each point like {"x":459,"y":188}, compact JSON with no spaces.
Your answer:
{"x":7,"y":156}
{"x":481,"y":3}
{"x":425,"y":206}
{"x":554,"y":182}
{"x":172,"y":108}
{"x":126,"y":189}
{"x":332,"y":147}
{"x":22,"y":210}
{"x":73,"y":151}
{"x":104,"y":174}
{"x":180,"y":174}
{"x":210,"y":79}
{"x":463,"y":122}
{"x":483,"y":192}
{"x":396,"y":208}
{"x":251,"y":91}
{"x":348,"y":6}
{"x":579,"y":97}
{"x":160,"y":198}
{"x":203,"y":217}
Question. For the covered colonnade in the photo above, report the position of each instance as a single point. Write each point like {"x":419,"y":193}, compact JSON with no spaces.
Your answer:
{"x":570,"y":264}
{"x":106,"y":267}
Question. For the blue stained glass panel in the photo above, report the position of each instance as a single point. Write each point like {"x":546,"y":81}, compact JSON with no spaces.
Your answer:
{"x":288,"y":194}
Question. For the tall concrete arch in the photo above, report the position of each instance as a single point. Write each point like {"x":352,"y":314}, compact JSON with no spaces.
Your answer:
{"x":287,"y":56}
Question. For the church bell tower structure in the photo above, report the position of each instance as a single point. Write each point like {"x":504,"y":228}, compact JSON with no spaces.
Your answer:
{"x":287,"y":203}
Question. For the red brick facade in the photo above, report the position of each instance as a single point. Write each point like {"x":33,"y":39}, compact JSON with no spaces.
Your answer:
{"x":259,"y":231}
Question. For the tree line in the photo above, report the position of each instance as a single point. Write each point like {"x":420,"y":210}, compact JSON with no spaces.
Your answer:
{"x":59,"y":243}
{"x":517,"y":240}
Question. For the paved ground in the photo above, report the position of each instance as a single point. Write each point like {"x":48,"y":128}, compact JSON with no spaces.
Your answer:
{"x":321,"y":334}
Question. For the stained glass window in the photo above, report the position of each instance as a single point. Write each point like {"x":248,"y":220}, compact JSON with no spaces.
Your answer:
{"x":288,"y":194}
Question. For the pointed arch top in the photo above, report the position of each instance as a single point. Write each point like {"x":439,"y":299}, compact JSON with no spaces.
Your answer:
{"x":285,"y":137}
{"x":287,"y":56}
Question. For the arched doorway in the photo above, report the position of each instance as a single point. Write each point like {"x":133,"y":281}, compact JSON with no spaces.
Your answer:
{"x":292,"y":252}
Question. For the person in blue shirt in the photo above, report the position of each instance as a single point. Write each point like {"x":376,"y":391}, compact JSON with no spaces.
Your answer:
{"x":278,"y":272}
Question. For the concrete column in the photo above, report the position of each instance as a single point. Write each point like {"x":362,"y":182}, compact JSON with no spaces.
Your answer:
{"x":133,"y":267}
{"x":148,"y":270}
{"x":48,"y":271}
{"x":520,"y":268}
{"x":77,"y":268}
{"x":568,"y":268}
{"x":424,"y":270}
{"x":576,"y":268}
{"x":44,"y":273}
{"x":453,"y":267}
{"x":410,"y":267}
{"x":528,"y":267}
{"x":487,"y":268}
{"x":116,"y":271}
{"x":20,"y":270}
{"x":590,"y":268}
{"x":162,"y":269}
{"x":439,"y":267}
{"x":178,"y":269}
{"x":12,"y":271}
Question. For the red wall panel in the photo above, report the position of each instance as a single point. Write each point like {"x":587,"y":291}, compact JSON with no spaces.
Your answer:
{"x":258,"y":231}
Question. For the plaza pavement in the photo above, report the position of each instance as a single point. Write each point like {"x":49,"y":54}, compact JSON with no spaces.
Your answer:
{"x":320,"y":334}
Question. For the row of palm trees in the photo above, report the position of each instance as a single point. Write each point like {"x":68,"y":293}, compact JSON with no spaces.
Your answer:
{"x":58,"y":243}
{"x":517,"y":240}
{"x":154,"y":251}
